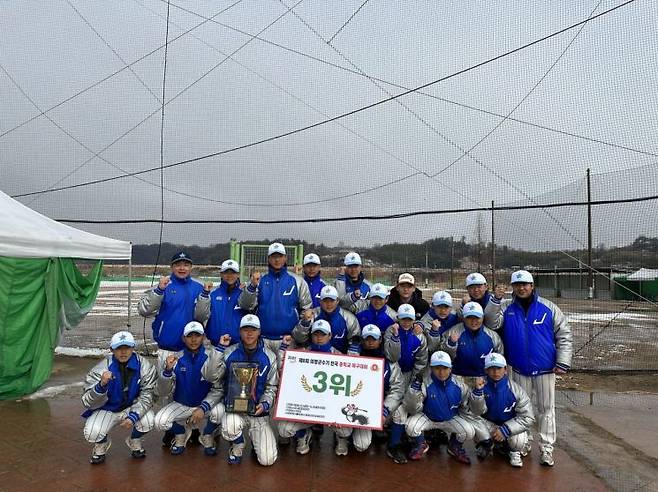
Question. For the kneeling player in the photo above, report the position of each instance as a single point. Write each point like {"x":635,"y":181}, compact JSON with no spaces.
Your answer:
{"x":440,"y":402}
{"x":506,"y":411}
{"x":119,"y":390}
{"x":193,"y":380}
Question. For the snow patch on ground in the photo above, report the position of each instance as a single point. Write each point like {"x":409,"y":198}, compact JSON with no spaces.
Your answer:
{"x":52,"y":391}
{"x":81,"y":352}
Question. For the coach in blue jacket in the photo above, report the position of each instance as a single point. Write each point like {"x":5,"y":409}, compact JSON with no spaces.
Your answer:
{"x":278,"y":298}
{"x":538,"y":345}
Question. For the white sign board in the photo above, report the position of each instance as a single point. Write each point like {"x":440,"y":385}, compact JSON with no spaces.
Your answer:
{"x":322,"y":388}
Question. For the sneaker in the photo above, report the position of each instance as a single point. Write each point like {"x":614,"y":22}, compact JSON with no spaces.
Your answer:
{"x":546,"y":458}
{"x":419,"y":450}
{"x":208,"y":443}
{"x":168,"y":438}
{"x":136,"y":448}
{"x":235,"y":454}
{"x":180,"y":440}
{"x":515,"y":459}
{"x":483,"y":449}
{"x":304,"y":442}
{"x":99,"y":451}
{"x":457,"y":451}
{"x":527,"y":447}
{"x":396,"y":454}
{"x":341,"y":446}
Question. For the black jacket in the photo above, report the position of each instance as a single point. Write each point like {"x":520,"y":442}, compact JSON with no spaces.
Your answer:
{"x":420,"y":305}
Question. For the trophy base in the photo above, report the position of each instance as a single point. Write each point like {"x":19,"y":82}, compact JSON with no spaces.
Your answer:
{"x":240,"y":405}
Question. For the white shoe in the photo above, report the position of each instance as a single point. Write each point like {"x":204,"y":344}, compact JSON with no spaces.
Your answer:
{"x":527,"y":447}
{"x":546,"y":458}
{"x":304,"y":443}
{"x":341,"y":446}
{"x":100,"y":448}
{"x":515,"y":459}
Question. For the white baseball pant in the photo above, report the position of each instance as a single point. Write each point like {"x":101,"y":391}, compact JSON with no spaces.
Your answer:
{"x":541,"y":390}
{"x":100,"y":422}
{"x":419,"y":423}
{"x":484,"y":430}
{"x":260,"y":432}
{"x":177,"y":412}
{"x":289,"y":429}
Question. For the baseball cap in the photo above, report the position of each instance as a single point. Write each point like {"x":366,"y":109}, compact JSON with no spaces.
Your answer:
{"x":406,"y":278}
{"x":522,"y":276}
{"x":321,"y":325}
{"x":181,"y":256}
{"x":122,"y":338}
{"x":475,"y":279}
{"x":193,"y":327}
{"x":472,"y":309}
{"x":442,"y":298}
{"x":352,"y":258}
{"x":229,"y":265}
{"x":371,"y":331}
{"x":329,"y":292}
{"x":379,"y":290}
{"x":276,"y":248}
{"x":406,"y":311}
{"x":312,"y":258}
{"x":440,"y":358}
{"x":494,"y":360}
{"x":250,"y":320}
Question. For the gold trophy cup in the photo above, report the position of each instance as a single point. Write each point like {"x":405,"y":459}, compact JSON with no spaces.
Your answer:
{"x":244,"y":376}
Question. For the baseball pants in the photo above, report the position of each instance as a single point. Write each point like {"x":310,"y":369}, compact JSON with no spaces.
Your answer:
{"x":419,"y":423}
{"x":541,"y":390}
{"x":100,"y":422}
{"x":260,"y":432}
{"x":484,"y":430}
{"x":177,"y":412}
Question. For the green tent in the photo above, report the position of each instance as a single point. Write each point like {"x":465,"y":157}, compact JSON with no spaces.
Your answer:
{"x":41,"y":291}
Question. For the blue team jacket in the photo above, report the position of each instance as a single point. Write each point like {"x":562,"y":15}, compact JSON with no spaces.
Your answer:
{"x":409,"y":345}
{"x":500,"y":401}
{"x":278,"y":298}
{"x":117,"y":398}
{"x":472,"y":348}
{"x":375,"y":317}
{"x":358,"y":285}
{"x":176,"y":310}
{"x":338,"y":329}
{"x":259,"y":357}
{"x":446,"y":323}
{"x":225,"y":314}
{"x":315,"y":285}
{"x":442,"y":400}
{"x":191,"y":388}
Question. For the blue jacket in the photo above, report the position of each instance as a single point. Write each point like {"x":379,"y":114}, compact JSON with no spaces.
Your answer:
{"x":501,"y":401}
{"x":339,"y":333}
{"x":120,"y":394}
{"x":175,"y":308}
{"x":267,"y":378}
{"x":442,"y":400}
{"x":315,"y":285}
{"x":411,"y":348}
{"x":471,"y":349}
{"x":191,"y":389}
{"x":361,"y":284}
{"x":225,"y":314}
{"x":446,"y":323}
{"x":382,"y":318}
{"x":537,"y":341}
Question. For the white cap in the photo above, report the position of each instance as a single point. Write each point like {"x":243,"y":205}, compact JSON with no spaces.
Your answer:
{"x":472,"y":309}
{"x":250,"y":320}
{"x":321,"y":325}
{"x":440,"y":358}
{"x":442,"y":298}
{"x":371,"y":331}
{"x":406,"y":311}
{"x":193,"y":327}
{"x":379,"y":290}
{"x":276,"y":248}
{"x":312,"y":258}
{"x":522,"y":276}
{"x":475,"y":279}
{"x":406,"y":278}
{"x":229,"y":265}
{"x":494,"y":360}
{"x":352,"y":258}
{"x":121,"y":338}
{"x":328,"y":292}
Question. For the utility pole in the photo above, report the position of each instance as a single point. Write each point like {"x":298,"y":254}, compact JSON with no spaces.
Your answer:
{"x":590,"y":275}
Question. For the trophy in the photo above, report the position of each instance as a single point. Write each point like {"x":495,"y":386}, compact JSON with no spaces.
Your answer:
{"x":243,"y":379}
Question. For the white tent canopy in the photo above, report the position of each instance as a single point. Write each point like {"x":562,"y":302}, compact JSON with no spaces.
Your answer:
{"x":644,"y":274}
{"x":25,"y":233}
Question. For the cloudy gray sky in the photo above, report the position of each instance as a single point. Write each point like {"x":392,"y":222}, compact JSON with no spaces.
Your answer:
{"x":263,"y":68}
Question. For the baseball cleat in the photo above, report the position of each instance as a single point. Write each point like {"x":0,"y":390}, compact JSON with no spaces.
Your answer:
{"x":457,"y":451}
{"x":99,"y":451}
{"x":546,"y":458}
{"x":396,"y":454}
{"x":136,"y":448}
{"x":515,"y":459}
{"x":419,"y":451}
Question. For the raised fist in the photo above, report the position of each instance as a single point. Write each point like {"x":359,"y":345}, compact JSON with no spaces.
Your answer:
{"x":106,"y":377}
{"x":466,"y":299}
{"x":208,"y":285}
{"x":307,"y":315}
{"x":436,"y":324}
{"x":170,"y":362}
{"x":499,"y":291}
{"x":395,"y":329}
{"x":254,"y":278}
{"x":287,"y":339}
{"x":164,"y":281}
{"x":418,"y":328}
{"x":297,"y":269}
{"x":479,"y":383}
{"x":225,"y":340}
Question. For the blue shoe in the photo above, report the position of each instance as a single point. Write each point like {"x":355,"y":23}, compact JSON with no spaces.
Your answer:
{"x":235,"y":454}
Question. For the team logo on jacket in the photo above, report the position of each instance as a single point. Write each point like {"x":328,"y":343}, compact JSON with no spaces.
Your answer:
{"x":510,"y":408}
{"x":219,"y":298}
{"x":262,"y":373}
{"x":539,"y":321}
{"x":289,"y":292}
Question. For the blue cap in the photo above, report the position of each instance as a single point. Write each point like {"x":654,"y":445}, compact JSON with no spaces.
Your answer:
{"x":181,"y":256}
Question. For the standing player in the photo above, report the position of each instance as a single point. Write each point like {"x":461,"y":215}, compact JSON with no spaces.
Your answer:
{"x":505,"y":409}
{"x":438,"y":320}
{"x":374,"y":310}
{"x":345,"y":331}
{"x":193,"y":381}
{"x":352,"y":284}
{"x":478,"y":291}
{"x":538,"y":344}
{"x":371,"y":343}
{"x":279,"y":297}
{"x":119,"y":390}
{"x":406,"y":292}
{"x":220,"y":307}
{"x":312,"y":277}
{"x":439,"y":402}
{"x":252,"y":349}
